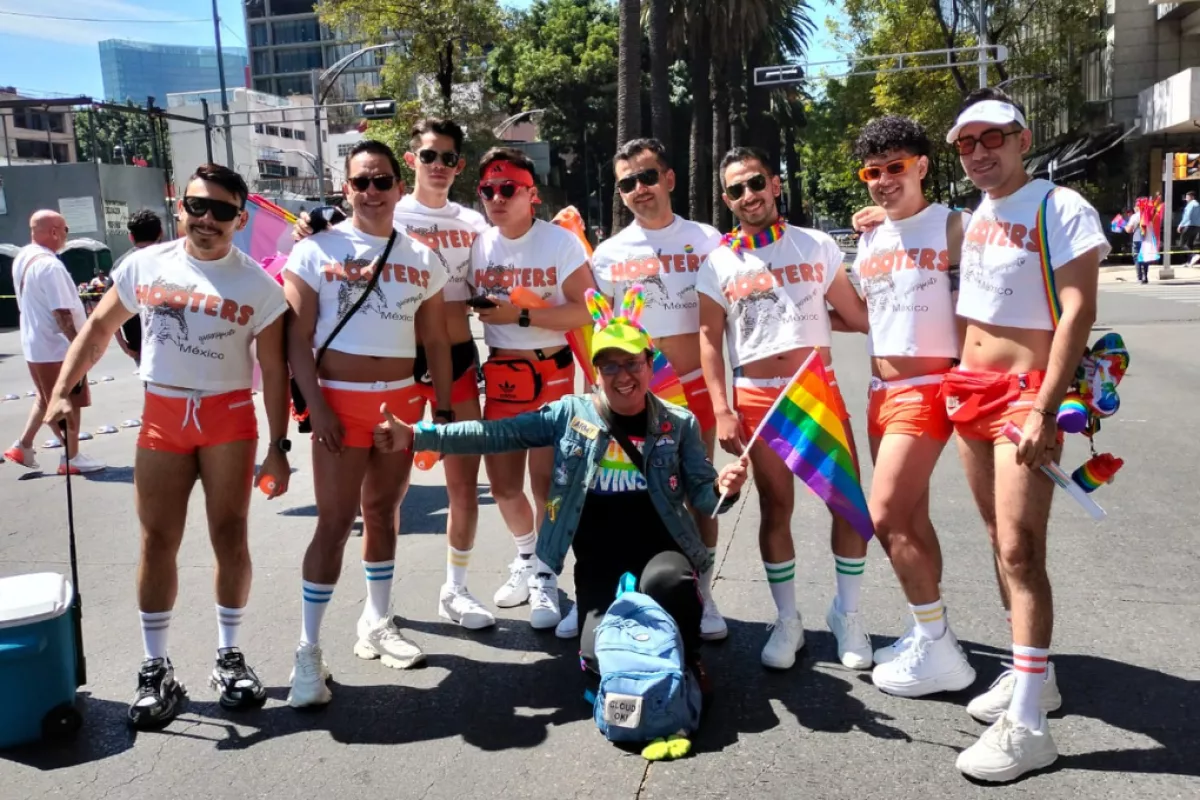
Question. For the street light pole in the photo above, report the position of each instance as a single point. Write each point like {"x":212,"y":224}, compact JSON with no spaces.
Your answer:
{"x":221,"y":74}
{"x":983,"y":40}
{"x":317,"y":98}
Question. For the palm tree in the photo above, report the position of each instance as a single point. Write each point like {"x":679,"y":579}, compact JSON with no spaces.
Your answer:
{"x":629,"y":89}
{"x":660,"y":62}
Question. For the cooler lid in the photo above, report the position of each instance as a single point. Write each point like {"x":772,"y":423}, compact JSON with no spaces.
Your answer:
{"x":26,"y":599}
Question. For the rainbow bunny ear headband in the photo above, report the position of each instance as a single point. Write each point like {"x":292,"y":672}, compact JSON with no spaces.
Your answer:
{"x":624,"y":332}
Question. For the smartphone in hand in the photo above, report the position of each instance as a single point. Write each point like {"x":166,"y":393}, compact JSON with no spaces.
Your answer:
{"x":479,"y":301}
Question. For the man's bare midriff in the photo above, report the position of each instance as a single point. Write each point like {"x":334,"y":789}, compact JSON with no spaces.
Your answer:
{"x":529,"y":355}
{"x":339,"y":366}
{"x":783,"y":365}
{"x":995,"y":348}
{"x":898,"y":368}
{"x":458,"y":324}
{"x":682,"y":351}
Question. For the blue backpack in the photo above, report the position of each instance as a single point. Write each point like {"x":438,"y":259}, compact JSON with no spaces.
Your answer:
{"x":646,"y":690}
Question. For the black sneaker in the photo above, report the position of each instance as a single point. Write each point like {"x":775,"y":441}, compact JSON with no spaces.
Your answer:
{"x":159,"y":696}
{"x":240,"y":687}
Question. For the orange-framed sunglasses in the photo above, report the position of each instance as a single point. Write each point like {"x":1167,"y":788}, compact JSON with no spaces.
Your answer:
{"x":897,"y":167}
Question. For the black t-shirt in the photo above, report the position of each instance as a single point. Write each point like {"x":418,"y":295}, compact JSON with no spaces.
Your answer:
{"x":619,"y":530}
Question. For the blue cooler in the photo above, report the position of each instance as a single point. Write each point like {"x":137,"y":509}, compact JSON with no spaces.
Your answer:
{"x":37,"y":659}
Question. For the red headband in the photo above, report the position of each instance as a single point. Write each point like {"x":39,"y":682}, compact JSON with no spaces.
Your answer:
{"x":507,"y":171}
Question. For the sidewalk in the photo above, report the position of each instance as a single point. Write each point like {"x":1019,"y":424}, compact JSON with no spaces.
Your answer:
{"x":1120,"y":273}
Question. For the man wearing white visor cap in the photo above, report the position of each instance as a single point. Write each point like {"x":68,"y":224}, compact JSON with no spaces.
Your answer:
{"x":1027,"y":297}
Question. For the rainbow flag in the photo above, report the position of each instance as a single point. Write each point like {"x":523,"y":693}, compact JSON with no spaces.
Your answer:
{"x":664,"y":383}
{"x":269,"y":230}
{"x":803,"y":429}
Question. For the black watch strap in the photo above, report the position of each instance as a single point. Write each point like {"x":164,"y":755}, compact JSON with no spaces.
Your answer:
{"x":283,"y":445}
{"x":444,"y":414}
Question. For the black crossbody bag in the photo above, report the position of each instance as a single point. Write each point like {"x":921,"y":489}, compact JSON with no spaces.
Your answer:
{"x":299,"y":404}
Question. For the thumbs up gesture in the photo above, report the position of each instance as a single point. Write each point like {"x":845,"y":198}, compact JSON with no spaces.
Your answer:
{"x":392,"y":435}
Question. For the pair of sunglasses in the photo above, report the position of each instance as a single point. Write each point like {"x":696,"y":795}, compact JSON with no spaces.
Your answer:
{"x":428,"y":156}
{"x":383,"y":183}
{"x":221,"y":211}
{"x":991,"y":139}
{"x":647,"y":177}
{"x":897,"y":167}
{"x":505,"y":190}
{"x":611,"y":369}
{"x":755,"y":183}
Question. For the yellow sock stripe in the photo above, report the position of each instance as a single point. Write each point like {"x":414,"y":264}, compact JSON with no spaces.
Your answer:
{"x":458,"y":559}
{"x":928,"y":616}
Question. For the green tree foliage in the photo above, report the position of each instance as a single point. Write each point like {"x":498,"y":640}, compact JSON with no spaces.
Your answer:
{"x":131,"y":131}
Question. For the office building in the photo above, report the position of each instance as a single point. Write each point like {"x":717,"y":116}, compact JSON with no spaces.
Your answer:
{"x":36,"y":135}
{"x":137,"y":70}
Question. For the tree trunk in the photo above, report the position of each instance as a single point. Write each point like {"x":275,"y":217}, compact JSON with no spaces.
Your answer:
{"x":660,"y":79}
{"x":736,"y":78}
{"x":446,"y":77}
{"x":700,"y":144}
{"x":720,"y":118}
{"x":629,"y":95}
{"x":795,"y":201}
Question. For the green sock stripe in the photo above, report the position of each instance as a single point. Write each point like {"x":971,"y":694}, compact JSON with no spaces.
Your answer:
{"x":844,"y":571}
{"x":790,"y":567}
{"x":781,"y":578}
{"x":850,"y":566}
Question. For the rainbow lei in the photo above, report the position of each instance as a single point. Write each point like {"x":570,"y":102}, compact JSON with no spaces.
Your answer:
{"x":737,"y":242}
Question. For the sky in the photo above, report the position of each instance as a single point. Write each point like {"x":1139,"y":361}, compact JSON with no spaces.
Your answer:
{"x":47,"y":57}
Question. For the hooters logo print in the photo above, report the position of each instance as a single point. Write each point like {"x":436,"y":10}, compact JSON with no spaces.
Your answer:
{"x":656,"y":271}
{"x":166,"y":307}
{"x":353,"y":276}
{"x":760,"y":298}
{"x":893,"y":277}
{"x":1004,"y":247}
{"x":501,"y":279}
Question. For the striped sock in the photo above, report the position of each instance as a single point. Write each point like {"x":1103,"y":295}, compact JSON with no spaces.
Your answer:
{"x":229,"y":622}
{"x":379,"y":589}
{"x":930,"y":619}
{"x":316,"y":599}
{"x":526,"y":545}
{"x":706,"y":577}
{"x":456,"y":566}
{"x":154,"y":632}
{"x":1029,"y":666}
{"x":849,"y":582}
{"x":782,"y":578}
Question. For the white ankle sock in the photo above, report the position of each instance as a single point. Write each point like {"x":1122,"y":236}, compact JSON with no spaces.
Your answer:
{"x":456,"y":566}
{"x":849,"y":573}
{"x":155,"y":625}
{"x":229,"y":623}
{"x":1029,"y":666}
{"x":526,"y":545}
{"x":929,"y":619}
{"x":706,"y":577}
{"x":782,"y":579}
{"x":379,"y":589}
{"x":316,"y":600}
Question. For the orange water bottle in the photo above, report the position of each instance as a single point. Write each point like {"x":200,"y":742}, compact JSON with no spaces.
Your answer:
{"x":426,"y":459}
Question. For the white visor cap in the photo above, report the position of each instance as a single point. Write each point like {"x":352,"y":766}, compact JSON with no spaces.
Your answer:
{"x":997,"y":112}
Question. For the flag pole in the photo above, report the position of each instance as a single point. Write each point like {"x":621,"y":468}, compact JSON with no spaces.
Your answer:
{"x":746,"y":452}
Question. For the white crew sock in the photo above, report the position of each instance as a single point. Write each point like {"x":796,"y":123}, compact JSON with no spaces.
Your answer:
{"x":379,"y":589}
{"x":456,"y":566}
{"x":849,"y":582}
{"x":316,"y":600}
{"x":1029,"y":666}
{"x":782,"y":579}
{"x":155,"y":625}
{"x":706,"y":577}
{"x":526,"y":545}
{"x":229,"y":623}
{"x":929,"y":619}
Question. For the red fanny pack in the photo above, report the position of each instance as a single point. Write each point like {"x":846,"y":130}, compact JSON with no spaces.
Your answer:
{"x":512,"y":380}
{"x":971,"y":395}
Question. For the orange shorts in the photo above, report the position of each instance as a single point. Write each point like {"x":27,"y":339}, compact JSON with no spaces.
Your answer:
{"x":178,"y":421}
{"x":357,"y":406}
{"x":979,"y":404}
{"x":464,"y":360}
{"x":753,"y":398}
{"x":517,"y":385}
{"x":911,"y":407}
{"x":698,"y":400}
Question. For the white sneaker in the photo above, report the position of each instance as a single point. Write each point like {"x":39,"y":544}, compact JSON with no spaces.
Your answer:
{"x":712,"y":624}
{"x":569,"y":627}
{"x":787,"y":639}
{"x":384,"y":641}
{"x":308,"y":678}
{"x":80,"y":464}
{"x":925,"y":667}
{"x":989,"y":706}
{"x":1007,"y":750}
{"x":24,"y":456}
{"x":516,"y":589}
{"x":853,"y":644}
{"x":543,"y":602}
{"x":457,"y":604}
{"x":893,"y":651}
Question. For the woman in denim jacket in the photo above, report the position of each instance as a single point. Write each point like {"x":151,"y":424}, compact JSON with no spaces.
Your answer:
{"x":618,"y":514}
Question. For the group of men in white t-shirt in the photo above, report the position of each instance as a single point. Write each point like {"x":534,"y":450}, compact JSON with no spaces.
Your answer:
{"x":369,"y":330}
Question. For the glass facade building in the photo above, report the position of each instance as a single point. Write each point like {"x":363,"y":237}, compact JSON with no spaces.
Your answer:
{"x":136,"y":70}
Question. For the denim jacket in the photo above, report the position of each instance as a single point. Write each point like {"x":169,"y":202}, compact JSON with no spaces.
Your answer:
{"x":677,"y":466}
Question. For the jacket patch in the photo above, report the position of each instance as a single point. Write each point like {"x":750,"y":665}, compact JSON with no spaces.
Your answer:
{"x":584,"y":428}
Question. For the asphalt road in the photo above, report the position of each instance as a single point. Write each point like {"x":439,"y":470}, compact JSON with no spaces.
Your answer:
{"x":500,"y":715}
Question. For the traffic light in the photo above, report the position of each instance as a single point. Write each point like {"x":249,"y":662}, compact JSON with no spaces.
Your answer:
{"x":379,"y":109}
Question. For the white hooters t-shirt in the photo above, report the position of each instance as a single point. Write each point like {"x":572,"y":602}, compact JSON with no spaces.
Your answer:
{"x":334,"y":264}
{"x":449,"y":232}
{"x":47,"y":288}
{"x":540,"y":261}
{"x":773,"y":296}
{"x":1002,"y":282}
{"x":903,"y":269}
{"x":198,"y":317}
{"x":666,"y":263}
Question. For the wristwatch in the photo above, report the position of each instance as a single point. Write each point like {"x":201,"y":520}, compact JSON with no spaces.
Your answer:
{"x":284,"y":445}
{"x":446,"y":415}
{"x":523,"y":319}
